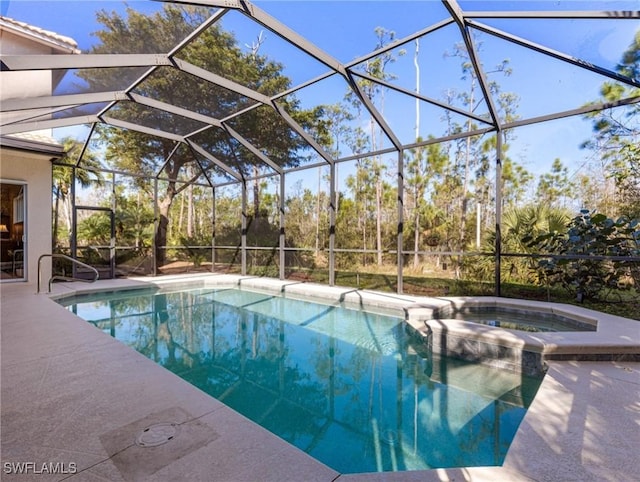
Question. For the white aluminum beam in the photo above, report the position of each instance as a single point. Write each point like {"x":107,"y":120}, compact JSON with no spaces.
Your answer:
{"x":400,"y":42}
{"x":302,"y":133}
{"x":429,"y":100}
{"x":458,"y":16}
{"x":85,"y":61}
{"x":215,"y":160}
{"x":48,"y":124}
{"x":166,"y":162}
{"x":553,"y":14}
{"x":86,"y":144}
{"x":569,"y":113}
{"x":138,"y":128}
{"x":236,"y":4}
{"x":555,"y":54}
{"x":291,"y":36}
{"x":201,"y":73}
{"x":23,"y":116}
{"x":256,"y":152}
{"x":368,"y":104}
{"x":60,"y":100}
{"x":193,"y":35}
{"x":156,"y":104}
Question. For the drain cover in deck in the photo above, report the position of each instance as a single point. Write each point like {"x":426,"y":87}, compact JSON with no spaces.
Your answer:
{"x":157,"y":434}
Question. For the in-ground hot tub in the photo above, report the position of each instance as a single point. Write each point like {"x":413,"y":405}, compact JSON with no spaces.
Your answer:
{"x":506,"y":333}
{"x":514,"y":318}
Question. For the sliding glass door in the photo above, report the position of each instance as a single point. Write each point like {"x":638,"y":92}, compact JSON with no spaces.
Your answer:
{"x":13,"y":237}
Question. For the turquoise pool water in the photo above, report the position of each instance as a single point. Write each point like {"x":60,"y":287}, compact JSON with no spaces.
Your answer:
{"x":515,"y":319}
{"x":348,"y":387}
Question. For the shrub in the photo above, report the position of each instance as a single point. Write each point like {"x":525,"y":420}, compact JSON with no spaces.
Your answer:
{"x":583,"y":259}
{"x":198,"y":248}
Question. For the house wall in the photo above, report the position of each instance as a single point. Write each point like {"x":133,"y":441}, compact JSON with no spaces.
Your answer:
{"x":30,"y":164}
{"x":21,"y":85}
{"x":35,"y":170}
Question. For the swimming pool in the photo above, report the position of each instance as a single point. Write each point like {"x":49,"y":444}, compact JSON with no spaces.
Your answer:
{"x":347,"y":386}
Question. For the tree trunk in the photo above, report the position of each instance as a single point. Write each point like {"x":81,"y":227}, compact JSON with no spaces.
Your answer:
{"x":163,"y":225}
{"x":379,"y":219}
{"x":318,"y":214}
{"x":190,"y":211}
{"x":416,"y":239}
{"x":256,"y":193}
{"x":138,"y":229}
{"x":66,"y":203}
{"x":465,"y":190}
{"x":181,"y":217}
{"x":55,"y":217}
{"x":465,"y":185}
{"x":364,"y":233}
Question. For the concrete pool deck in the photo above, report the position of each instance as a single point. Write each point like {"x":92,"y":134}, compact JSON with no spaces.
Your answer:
{"x":74,"y":396}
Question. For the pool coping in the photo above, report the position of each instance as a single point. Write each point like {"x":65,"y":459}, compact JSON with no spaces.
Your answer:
{"x":582,"y":424}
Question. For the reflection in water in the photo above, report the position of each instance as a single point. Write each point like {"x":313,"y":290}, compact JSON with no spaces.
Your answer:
{"x":346,"y":386}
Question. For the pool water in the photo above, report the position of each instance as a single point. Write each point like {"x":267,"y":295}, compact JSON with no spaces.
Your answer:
{"x":348,"y":387}
{"x":515,"y":319}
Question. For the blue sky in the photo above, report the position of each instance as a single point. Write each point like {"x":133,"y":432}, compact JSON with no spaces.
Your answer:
{"x":346,"y":30}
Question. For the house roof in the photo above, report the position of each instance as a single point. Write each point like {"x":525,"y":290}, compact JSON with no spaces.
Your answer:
{"x":36,"y":141}
{"x":33,"y":142}
{"x":60,"y":42}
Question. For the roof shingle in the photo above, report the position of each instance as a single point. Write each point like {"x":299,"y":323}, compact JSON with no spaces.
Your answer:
{"x":47,"y":36}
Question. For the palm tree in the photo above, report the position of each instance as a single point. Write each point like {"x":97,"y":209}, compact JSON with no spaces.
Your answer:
{"x":531,"y":220}
{"x":528,"y":221}
{"x":63,"y":177}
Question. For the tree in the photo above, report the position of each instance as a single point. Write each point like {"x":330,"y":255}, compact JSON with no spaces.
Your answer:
{"x":467,"y":179}
{"x":374,"y":166}
{"x":337,"y":117}
{"x":216,"y":51}
{"x":515,"y":182}
{"x":617,"y":135}
{"x":422,"y":168}
{"x":555,"y":187}
{"x":134,"y":217}
{"x":63,"y":177}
